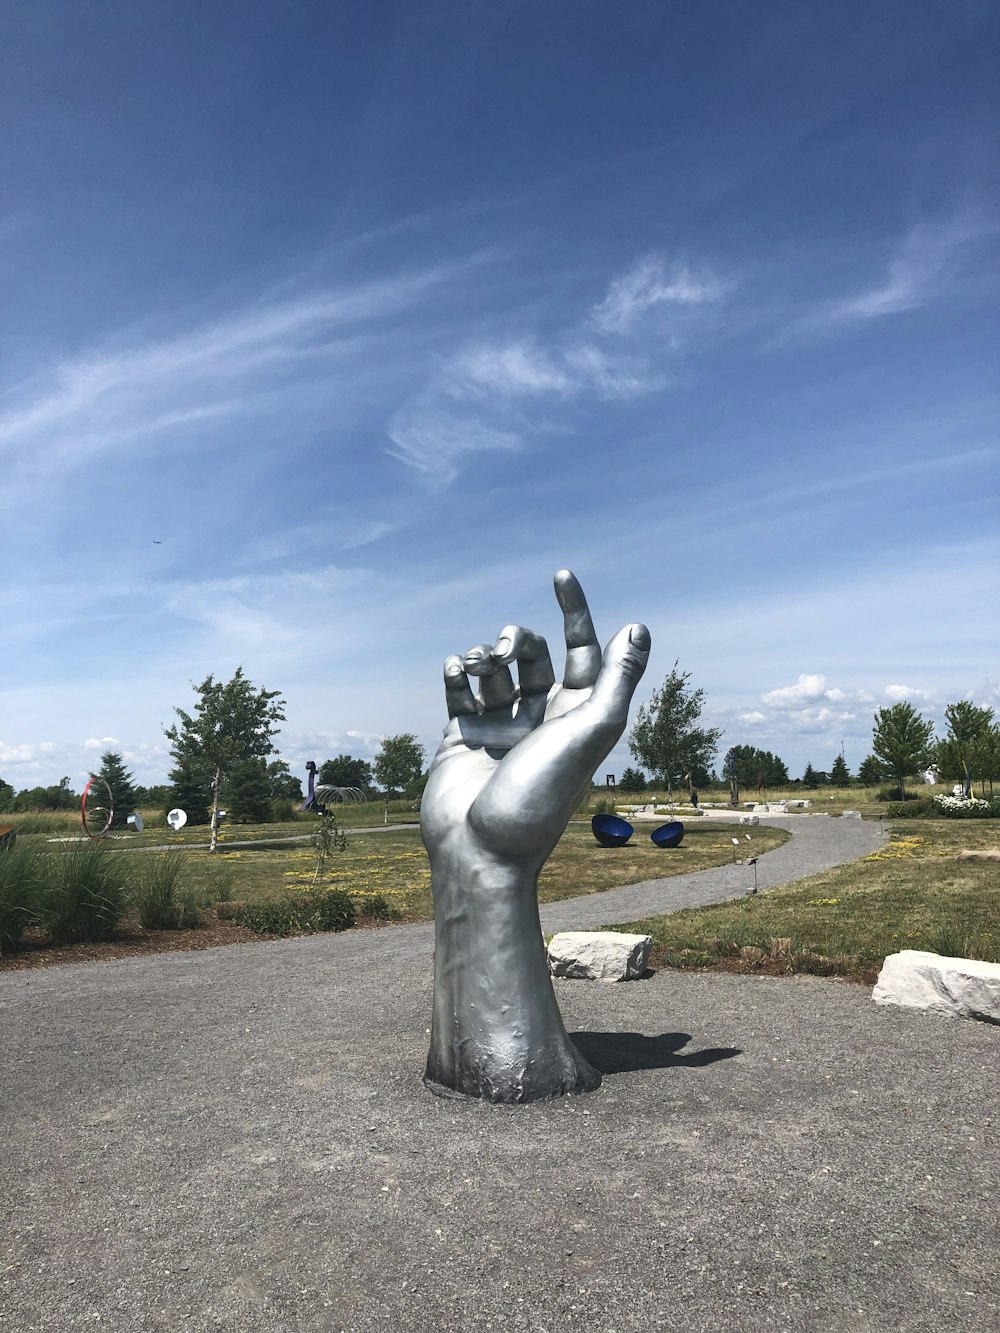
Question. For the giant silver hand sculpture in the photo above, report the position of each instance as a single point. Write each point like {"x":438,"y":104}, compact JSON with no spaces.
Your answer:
{"x":508,"y":774}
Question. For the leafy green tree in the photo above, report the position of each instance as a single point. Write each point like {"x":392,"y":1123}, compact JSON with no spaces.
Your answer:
{"x":399,"y":763}
{"x":190,"y":789}
{"x":810,"y":778}
{"x":666,"y":739}
{"x":122,"y":785}
{"x":971,"y":747}
{"x":233,"y":723}
{"x":346,"y":771}
{"x":633,"y":779}
{"x":840,"y":774}
{"x":753,"y":767}
{"x":61,"y":796}
{"x":246,"y":791}
{"x":871,"y":772}
{"x":902,"y":740}
{"x":156,"y":797}
{"x":6,"y":795}
{"x":285,"y":786}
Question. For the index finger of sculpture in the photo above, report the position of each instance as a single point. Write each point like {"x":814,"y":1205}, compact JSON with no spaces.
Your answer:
{"x":457,"y":690}
{"x":583,"y":651}
{"x":534,"y":665}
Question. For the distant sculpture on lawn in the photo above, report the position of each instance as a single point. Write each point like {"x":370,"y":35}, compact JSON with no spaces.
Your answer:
{"x":512,"y":767}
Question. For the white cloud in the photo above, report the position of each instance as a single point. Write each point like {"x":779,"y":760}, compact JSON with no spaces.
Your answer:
{"x":16,"y":754}
{"x":924,"y":267}
{"x":897,"y":693}
{"x":753,"y":717}
{"x":512,"y":369}
{"x":254,"y":359}
{"x":94,"y":744}
{"x":649,"y":283}
{"x":807,"y":689}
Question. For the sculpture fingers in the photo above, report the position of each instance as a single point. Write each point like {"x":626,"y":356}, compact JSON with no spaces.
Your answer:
{"x":534,"y":664}
{"x":457,"y":690}
{"x":583,"y":650}
{"x":622,"y":668}
{"x":496,"y":684}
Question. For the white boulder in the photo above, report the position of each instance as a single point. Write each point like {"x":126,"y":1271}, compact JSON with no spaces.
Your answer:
{"x":958,"y":987}
{"x":598,"y":955}
{"x":750,"y":819}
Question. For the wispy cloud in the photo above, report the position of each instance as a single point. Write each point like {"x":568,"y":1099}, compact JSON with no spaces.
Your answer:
{"x":479,"y":398}
{"x":924,"y":267}
{"x":100,"y":400}
{"x":901,"y":693}
{"x":652,"y":282}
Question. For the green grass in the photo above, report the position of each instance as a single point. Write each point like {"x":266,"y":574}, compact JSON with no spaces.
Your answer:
{"x":912,"y":894}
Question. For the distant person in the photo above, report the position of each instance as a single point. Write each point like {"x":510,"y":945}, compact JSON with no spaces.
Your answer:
{"x":694,"y":797}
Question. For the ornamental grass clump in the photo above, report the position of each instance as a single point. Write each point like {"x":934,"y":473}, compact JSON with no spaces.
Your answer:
{"x":84,"y":894}
{"x":162,"y":901}
{"x":20,"y":880}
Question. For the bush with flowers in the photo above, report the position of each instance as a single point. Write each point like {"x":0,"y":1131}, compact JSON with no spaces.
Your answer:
{"x":966,"y":807}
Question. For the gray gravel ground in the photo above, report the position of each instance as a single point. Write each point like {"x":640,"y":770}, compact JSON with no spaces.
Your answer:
{"x":238,"y":1139}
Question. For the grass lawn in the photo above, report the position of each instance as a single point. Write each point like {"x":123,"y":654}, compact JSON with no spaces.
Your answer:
{"x":394,"y":865}
{"x":391,"y":865}
{"x":912,"y":894}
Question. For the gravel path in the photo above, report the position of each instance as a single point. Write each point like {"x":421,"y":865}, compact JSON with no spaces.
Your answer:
{"x":238,"y":1139}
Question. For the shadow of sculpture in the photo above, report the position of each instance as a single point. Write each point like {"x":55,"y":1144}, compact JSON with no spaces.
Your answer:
{"x":620,"y":1052}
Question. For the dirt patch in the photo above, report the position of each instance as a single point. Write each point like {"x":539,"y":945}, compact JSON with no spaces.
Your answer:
{"x":131,"y":941}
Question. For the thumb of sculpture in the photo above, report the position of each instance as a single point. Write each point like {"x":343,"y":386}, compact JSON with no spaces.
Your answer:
{"x":625,"y":660}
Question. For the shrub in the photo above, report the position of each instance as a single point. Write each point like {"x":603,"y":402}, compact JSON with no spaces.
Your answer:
{"x":20,"y":874}
{"x":305,"y":913}
{"x":378,"y":908}
{"x":915,"y":808}
{"x":162,"y":902}
{"x":894,"y":794}
{"x":953,"y":807}
{"x":83,"y":894}
{"x":283,"y":809}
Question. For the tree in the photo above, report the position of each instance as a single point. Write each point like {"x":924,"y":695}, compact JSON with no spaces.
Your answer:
{"x":633,"y":779}
{"x":666,"y":739}
{"x":970,"y":749}
{"x":346,"y":771}
{"x":247,"y":792}
{"x":840,"y":774}
{"x":902,"y":740}
{"x":119,"y":780}
{"x":810,"y":778}
{"x":284,"y":785}
{"x":233,"y":723}
{"x":399,"y":763}
{"x":58,"y":797}
{"x":190,"y":789}
{"x":6,"y":795}
{"x":155,"y":797}
{"x":871,"y":773}
{"x":755,"y":768}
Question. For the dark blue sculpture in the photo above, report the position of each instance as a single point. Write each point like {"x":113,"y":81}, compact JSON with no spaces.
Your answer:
{"x":668,"y":835}
{"x":610,"y":831}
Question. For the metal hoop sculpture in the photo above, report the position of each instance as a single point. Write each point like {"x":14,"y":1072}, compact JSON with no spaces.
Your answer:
{"x":93,"y":814}
{"x":318,"y":798}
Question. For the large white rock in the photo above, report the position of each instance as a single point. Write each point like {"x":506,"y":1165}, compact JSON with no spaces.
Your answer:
{"x":958,"y":987}
{"x":598,"y":955}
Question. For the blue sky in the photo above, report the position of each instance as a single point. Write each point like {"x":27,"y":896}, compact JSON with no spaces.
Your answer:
{"x":329,"y":332}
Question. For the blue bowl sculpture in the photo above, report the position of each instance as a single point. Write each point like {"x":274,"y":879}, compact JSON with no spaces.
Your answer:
{"x":610,"y":831}
{"x":668,"y":835}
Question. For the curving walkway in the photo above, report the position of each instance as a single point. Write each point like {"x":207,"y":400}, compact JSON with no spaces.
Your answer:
{"x":818,"y":842}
